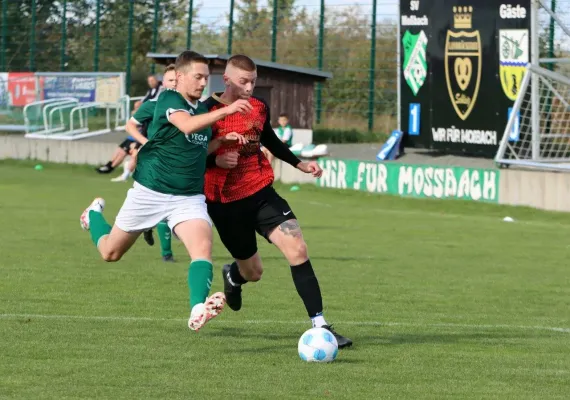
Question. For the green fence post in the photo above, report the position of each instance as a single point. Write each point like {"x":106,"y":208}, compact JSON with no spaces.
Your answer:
{"x":274,"y":32}
{"x":372,"y":69}
{"x":4,"y":35}
{"x":33,"y":39}
{"x":63,"y":36}
{"x":97,"y":23}
{"x":551,"y":36}
{"x":231,"y":27}
{"x":130,"y":44}
{"x":320,"y":60}
{"x":190,"y":18}
{"x":154,"y":33}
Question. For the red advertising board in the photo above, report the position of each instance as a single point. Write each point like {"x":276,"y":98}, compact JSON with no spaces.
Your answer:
{"x":22,"y":88}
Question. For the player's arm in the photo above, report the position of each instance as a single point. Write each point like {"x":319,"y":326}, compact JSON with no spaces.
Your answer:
{"x":231,"y":138}
{"x":187,"y":123}
{"x":132,"y":128}
{"x":280,"y":150}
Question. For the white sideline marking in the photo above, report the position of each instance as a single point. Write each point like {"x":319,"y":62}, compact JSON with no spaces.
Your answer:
{"x":274,"y":322}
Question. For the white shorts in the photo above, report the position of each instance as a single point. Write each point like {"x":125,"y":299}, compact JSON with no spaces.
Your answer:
{"x":144,"y":208}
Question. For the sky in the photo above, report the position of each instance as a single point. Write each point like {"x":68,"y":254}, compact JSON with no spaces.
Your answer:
{"x":211,"y":9}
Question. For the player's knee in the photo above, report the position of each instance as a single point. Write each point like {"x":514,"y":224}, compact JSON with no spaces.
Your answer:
{"x":111,"y":255}
{"x":297,"y":252}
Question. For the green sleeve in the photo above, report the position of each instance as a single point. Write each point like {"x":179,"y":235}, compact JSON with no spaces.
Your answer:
{"x":145,"y":112}
{"x":169,"y":102}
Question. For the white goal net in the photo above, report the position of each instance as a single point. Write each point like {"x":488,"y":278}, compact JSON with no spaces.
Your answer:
{"x":538,"y":130}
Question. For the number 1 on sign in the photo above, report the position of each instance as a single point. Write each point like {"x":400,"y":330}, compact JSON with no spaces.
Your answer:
{"x":414,"y":121}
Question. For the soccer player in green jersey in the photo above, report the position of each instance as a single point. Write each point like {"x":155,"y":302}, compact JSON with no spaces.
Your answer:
{"x":137,"y":127}
{"x":169,"y":180}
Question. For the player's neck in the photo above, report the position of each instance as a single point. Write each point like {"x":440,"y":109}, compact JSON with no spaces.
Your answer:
{"x":228,"y":98}
{"x":188,"y":99}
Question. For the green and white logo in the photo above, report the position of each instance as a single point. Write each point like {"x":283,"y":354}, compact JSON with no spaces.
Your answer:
{"x":415,"y":64}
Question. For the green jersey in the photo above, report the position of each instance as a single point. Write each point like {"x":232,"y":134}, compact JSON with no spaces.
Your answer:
{"x":145,"y":112}
{"x":172,"y":162}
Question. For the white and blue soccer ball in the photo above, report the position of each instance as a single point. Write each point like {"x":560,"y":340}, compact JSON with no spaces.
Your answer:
{"x":318,"y":345}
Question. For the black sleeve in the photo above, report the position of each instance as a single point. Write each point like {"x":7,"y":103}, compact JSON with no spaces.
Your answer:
{"x":211,"y":160}
{"x":279,"y":149}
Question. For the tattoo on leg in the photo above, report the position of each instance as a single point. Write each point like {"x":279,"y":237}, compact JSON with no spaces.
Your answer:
{"x":291,"y":228}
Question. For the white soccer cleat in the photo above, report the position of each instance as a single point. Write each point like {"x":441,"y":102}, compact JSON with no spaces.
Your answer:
{"x":120,"y":178}
{"x":203,"y":312}
{"x":96,"y":205}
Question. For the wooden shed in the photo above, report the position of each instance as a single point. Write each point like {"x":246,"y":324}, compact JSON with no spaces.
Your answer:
{"x":286,"y":88}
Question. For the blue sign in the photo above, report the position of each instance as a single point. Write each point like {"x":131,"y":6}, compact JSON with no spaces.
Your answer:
{"x":82,"y":89}
{"x":391,"y":149}
{"x":514,"y":133}
{"x":414,"y":120}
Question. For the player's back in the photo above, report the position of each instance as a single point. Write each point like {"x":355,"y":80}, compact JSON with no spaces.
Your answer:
{"x":253,"y":171}
{"x":172,"y":162}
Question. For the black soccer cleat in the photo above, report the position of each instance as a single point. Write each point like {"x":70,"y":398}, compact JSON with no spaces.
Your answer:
{"x":148,"y":238}
{"x":105,"y":169}
{"x":341,"y":340}
{"x":233,"y":293}
{"x":168,"y":258}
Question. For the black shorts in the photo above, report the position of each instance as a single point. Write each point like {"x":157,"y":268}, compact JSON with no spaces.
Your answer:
{"x":126,"y":145}
{"x":238,"y":221}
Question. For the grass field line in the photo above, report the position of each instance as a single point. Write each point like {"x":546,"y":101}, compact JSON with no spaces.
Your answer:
{"x":475,"y":217}
{"x":278,"y":322}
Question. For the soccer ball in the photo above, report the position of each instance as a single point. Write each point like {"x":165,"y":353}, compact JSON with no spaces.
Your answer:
{"x":318,"y":345}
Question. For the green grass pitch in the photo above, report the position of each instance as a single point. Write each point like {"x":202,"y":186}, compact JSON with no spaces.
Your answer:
{"x":443,"y":300}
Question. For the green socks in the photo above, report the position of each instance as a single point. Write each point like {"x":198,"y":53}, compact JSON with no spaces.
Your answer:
{"x":98,"y":227}
{"x":165,"y":237}
{"x":199,"y":281}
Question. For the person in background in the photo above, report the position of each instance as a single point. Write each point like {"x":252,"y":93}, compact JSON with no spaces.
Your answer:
{"x":153,"y":91}
{"x":284,"y":133}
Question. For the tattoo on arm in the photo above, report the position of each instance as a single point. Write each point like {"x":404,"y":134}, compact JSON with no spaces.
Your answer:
{"x":291,"y":228}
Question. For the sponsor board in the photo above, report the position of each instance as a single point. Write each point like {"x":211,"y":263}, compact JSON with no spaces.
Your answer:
{"x":421,"y":181}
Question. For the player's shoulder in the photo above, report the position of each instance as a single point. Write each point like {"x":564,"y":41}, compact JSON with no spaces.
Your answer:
{"x":212,"y":101}
{"x":169,"y":95}
{"x":259,"y":101}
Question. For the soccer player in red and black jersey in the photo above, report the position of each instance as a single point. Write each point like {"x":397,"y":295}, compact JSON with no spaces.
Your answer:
{"x":241,"y":199}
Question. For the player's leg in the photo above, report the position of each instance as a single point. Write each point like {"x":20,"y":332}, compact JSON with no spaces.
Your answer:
{"x":189,"y":220}
{"x":165,"y":238}
{"x":277,"y":222}
{"x":112,"y":243}
{"x":235,"y":225}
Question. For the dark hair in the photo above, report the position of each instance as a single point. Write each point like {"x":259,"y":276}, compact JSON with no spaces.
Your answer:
{"x":242,"y":62}
{"x":284,"y":115}
{"x":169,"y":67}
{"x":187,"y":58}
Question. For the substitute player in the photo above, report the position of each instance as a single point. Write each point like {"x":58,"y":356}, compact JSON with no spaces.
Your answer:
{"x":168,"y":184}
{"x":241,"y":199}
{"x":137,"y":127}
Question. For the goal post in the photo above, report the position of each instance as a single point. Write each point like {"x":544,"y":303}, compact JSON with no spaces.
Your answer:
{"x":537,"y":134}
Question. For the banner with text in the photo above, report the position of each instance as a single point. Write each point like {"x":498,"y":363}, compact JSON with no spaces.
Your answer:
{"x":423,"y":181}
{"x":462,"y":64}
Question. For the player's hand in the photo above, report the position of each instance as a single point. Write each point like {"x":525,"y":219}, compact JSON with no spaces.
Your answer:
{"x":233,"y":138}
{"x":241,"y":106}
{"x":310,"y":167}
{"x":227,"y":160}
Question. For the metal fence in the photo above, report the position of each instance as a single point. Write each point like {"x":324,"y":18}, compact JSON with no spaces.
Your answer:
{"x":356,"y":40}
